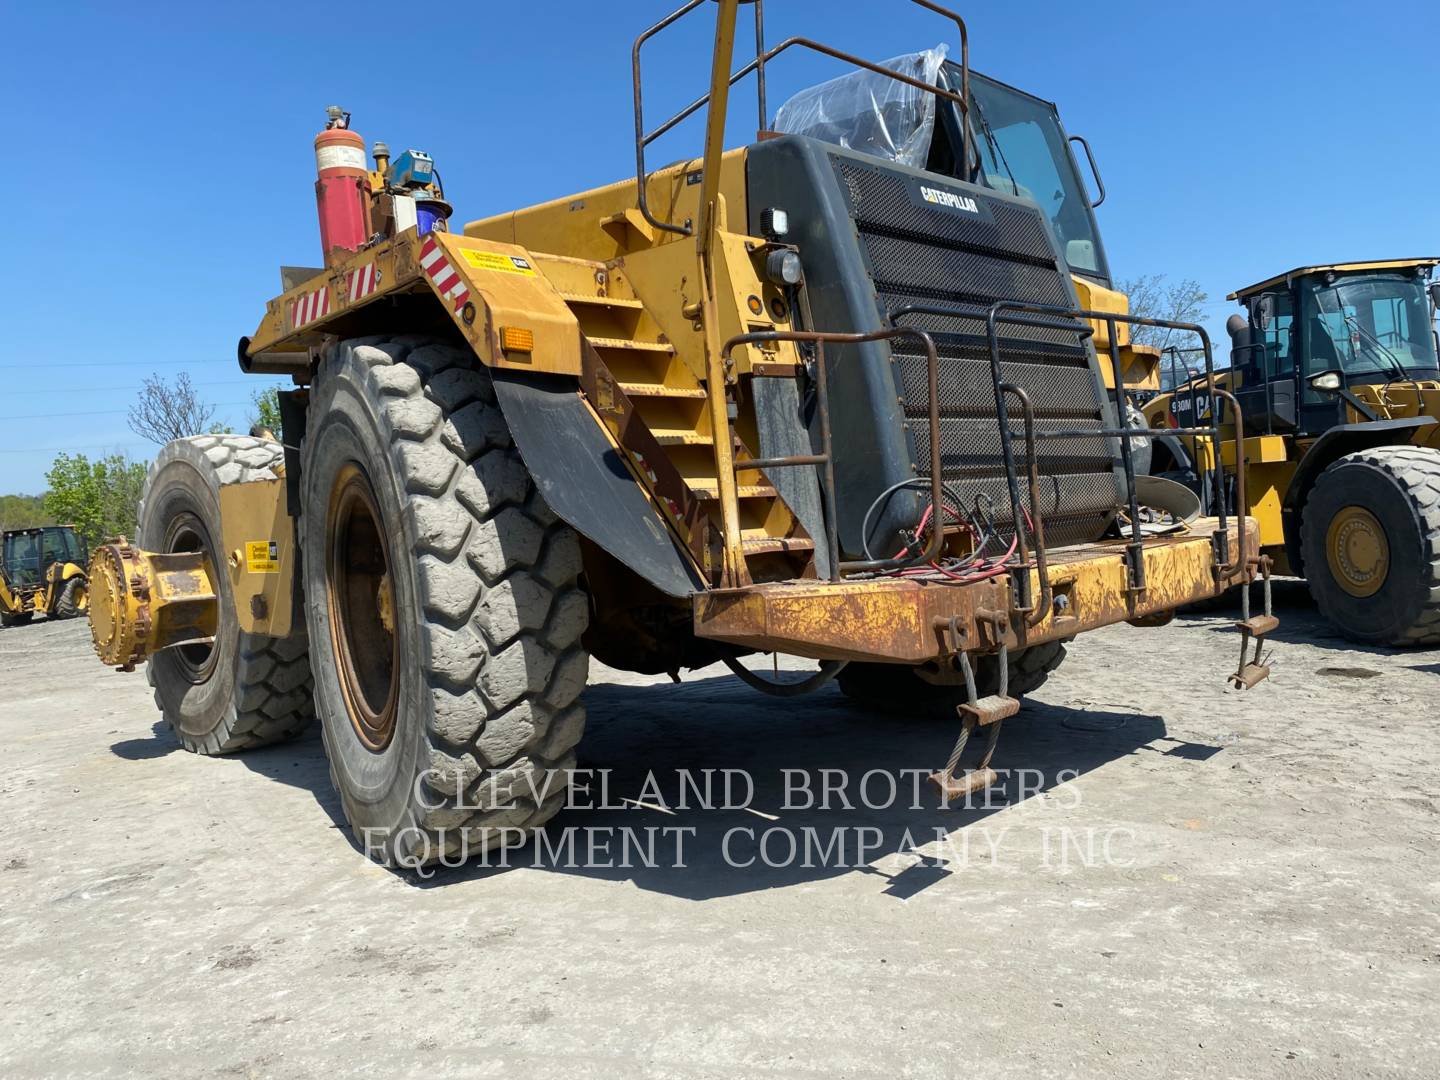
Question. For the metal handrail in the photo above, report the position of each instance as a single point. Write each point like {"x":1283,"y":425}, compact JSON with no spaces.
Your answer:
{"x":1124,"y":434}
{"x":640,"y":140}
{"x":757,"y":65}
{"x":826,"y":457}
{"x":1094,"y":169}
{"x":1034,"y":613}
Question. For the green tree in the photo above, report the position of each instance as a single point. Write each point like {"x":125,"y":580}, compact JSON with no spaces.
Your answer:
{"x":23,"y":512}
{"x":266,"y":411}
{"x":100,"y":498}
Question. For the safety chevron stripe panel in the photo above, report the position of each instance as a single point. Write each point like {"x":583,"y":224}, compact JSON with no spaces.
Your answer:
{"x":442,"y":275}
{"x":361,"y":282}
{"x":307,"y":307}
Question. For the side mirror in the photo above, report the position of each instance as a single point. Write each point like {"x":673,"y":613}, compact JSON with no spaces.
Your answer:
{"x":1435,"y":293}
{"x":1265,"y":311}
{"x":1327,"y":382}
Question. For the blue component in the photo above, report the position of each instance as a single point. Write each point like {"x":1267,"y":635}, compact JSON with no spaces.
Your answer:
{"x":430,"y":216}
{"x":412,"y":169}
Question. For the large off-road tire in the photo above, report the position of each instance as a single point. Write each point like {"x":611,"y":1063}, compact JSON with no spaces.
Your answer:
{"x":1370,"y":538}
{"x":67,"y":604}
{"x":895,"y":688}
{"x":445,"y":610}
{"x":244,"y":690}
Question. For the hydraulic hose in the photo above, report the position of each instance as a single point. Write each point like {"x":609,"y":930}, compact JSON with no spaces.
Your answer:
{"x":828,"y":670}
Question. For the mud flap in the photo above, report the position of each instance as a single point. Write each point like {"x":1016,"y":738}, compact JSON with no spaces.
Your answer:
{"x":584,"y":480}
{"x":784,"y":432}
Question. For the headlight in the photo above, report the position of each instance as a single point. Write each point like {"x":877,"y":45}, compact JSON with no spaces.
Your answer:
{"x":774,"y":222}
{"x":783,"y":268}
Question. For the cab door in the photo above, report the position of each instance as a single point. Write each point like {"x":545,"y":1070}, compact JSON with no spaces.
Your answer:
{"x":1266,"y":367}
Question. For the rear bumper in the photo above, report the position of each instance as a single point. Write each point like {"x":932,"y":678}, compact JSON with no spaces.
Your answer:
{"x":899,"y":620}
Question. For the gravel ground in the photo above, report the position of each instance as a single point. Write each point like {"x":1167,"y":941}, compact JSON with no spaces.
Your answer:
{"x":1196,"y":882}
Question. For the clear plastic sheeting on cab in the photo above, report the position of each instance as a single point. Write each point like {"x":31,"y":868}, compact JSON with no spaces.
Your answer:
{"x":871,"y":113}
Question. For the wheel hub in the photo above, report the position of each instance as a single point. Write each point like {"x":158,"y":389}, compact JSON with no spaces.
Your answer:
{"x":360,"y":604}
{"x":1357,"y":551}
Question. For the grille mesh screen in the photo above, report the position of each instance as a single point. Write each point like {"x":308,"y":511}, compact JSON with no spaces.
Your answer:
{"x":966,"y":262}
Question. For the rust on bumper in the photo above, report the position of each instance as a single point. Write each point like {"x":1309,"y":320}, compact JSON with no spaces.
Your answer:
{"x":902,"y":620}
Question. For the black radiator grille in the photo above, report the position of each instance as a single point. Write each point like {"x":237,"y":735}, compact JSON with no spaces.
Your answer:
{"x":966,"y":262}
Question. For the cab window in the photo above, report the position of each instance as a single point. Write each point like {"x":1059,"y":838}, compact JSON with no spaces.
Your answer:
{"x":1275,"y":360}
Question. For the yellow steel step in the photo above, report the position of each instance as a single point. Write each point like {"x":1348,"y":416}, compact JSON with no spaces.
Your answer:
{"x":681,"y":437}
{"x":759,"y":542}
{"x":602,"y":301}
{"x":660,"y":390}
{"x":631,"y":345}
{"x":709,"y":491}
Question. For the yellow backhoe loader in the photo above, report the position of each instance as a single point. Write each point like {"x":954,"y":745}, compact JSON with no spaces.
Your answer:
{"x":42,"y":571}
{"x":803,"y":396}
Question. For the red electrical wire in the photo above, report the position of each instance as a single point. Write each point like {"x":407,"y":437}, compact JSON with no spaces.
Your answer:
{"x":989,"y":568}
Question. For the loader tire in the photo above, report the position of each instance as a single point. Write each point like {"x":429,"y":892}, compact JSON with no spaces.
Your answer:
{"x":67,"y":605}
{"x":244,"y":690}
{"x":445,"y":606}
{"x":895,"y":688}
{"x":1370,"y":538}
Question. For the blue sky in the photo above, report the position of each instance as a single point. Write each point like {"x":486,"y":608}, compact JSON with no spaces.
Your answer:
{"x":160,"y":164}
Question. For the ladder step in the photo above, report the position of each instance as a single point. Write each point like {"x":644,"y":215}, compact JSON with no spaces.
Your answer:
{"x":681,"y":437}
{"x":660,"y":390}
{"x":602,"y":301}
{"x":756,"y":542}
{"x":630,"y":345}
{"x":709,"y":491}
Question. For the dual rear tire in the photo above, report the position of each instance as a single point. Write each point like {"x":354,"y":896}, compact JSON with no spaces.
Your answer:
{"x":441,"y":646}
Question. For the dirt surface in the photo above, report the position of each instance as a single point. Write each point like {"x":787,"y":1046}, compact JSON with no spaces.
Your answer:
{"x":1231,"y":885}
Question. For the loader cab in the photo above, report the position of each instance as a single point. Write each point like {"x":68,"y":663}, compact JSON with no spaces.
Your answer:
{"x":1024,"y":150}
{"x":29,"y":553}
{"x":1365,"y":323}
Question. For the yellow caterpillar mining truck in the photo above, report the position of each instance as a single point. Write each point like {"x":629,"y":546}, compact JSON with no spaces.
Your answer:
{"x":41,"y":572}
{"x":1336,"y":373}
{"x":791,"y":397}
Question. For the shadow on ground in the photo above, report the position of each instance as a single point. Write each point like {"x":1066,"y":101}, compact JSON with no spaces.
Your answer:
{"x":674,"y":734}
{"x":797,"y":766}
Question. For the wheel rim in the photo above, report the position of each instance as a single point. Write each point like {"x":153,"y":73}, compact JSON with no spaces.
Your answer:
{"x":185,"y":532}
{"x":1357,"y":551}
{"x":361,"y":605}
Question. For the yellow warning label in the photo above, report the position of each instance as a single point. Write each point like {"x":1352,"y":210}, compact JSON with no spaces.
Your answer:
{"x":490,"y":260}
{"x":262,"y":556}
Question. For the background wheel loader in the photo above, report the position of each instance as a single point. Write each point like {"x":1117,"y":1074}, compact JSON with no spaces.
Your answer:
{"x":792,"y":397}
{"x":41,"y":572}
{"x":1336,"y":374}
